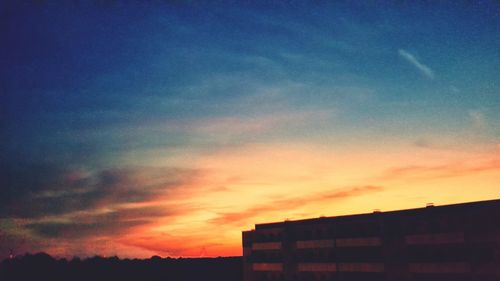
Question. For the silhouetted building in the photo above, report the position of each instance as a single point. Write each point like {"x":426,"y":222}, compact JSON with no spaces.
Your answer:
{"x":453,"y":242}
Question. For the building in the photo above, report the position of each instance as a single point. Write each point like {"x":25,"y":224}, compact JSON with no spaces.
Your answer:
{"x":453,"y":242}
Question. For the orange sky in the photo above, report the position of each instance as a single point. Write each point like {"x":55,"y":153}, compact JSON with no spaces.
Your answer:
{"x":256,"y":184}
{"x":237,"y":188}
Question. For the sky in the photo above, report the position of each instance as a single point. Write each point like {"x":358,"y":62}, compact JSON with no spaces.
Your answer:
{"x":166,"y":128}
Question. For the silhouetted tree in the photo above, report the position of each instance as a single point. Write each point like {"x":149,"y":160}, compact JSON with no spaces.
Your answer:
{"x":41,"y":266}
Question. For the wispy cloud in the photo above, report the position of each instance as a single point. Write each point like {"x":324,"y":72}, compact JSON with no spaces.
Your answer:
{"x":290,"y":203}
{"x":424,"y":69}
{"x":450,"y":170}
{"x":478,"y":119}
{"x":76,"y":206}
{"x":54,"y":191}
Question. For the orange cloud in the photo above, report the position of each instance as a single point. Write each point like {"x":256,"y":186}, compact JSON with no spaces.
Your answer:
{"x":286,"y":205}
{"x":455,"y":169}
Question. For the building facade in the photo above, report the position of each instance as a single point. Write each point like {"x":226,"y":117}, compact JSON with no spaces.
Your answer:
{"x":453,"y":242}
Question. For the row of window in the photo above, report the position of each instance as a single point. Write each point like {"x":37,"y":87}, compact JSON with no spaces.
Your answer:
{"x":413,"y":253}
{"x":318,"y":233}
{"x":370,"y":277}
{"x":320,"y":255}
{"x":477,"y":253}
{"x":320,"y":276}
{"x":412,"y":225}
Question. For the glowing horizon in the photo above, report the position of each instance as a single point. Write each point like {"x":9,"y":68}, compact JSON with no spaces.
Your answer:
{"x":167,"y":129}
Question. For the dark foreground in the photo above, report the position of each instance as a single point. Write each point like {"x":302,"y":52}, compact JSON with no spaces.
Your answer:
{"x":44,"y":267}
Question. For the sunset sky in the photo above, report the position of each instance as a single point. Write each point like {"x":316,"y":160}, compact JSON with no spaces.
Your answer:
{"x":166,"y":128}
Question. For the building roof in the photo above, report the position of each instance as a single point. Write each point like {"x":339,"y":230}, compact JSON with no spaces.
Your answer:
{"x":453,"y":208}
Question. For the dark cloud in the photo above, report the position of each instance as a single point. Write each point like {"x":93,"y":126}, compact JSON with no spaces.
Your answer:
{"x":110,"y":223}
{"x":18,"y":180}
{"x":423,"y":143}
{"x":39,"y":190}
{"x":150,"y":212}
{"x":82,"y":230}
{"x":12,"y":242}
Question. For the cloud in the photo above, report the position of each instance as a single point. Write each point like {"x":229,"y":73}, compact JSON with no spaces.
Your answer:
{"x":50,"y":205}
{"x":429,"y":144}
{"x":234,"y":126}
{"x":80,"y":230}
{"x":422,"y":172}
{"x":290,"y":203}
{"x":88,"y":224}
{"x":191,"y":243}
{"x":425,"y":70}
{"x":478,"y":119}
{"x":454,"y":89}
{"x":115,"y":222}
{"x":42,"y":190}
{"x":171,"y":245}
{"x":423,"y":143}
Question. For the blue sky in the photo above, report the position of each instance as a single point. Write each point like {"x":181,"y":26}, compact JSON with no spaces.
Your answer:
{"x":100,"y":88}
